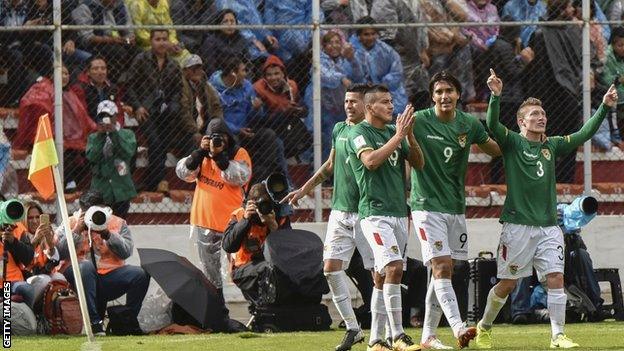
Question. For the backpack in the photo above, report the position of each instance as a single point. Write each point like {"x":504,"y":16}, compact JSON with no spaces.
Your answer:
{"x":61,"y":308}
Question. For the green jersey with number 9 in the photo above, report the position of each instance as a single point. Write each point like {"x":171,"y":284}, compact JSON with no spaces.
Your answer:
{"x":439,"y":186}
{"x":382,"y":191}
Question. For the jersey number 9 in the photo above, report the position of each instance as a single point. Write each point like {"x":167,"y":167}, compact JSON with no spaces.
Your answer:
{"x":448,"y":153}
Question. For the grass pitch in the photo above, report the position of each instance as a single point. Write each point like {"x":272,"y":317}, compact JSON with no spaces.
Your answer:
{"x":593,"y":336}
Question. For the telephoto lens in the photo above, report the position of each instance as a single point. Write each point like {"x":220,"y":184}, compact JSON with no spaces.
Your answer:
{"x":217,"y":140}
{"x":265,"y":207}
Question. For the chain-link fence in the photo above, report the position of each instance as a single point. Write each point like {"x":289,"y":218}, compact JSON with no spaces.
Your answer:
{"x":200,"y":75}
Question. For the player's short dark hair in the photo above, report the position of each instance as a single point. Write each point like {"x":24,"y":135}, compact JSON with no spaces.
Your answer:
{"x":359,"y":88}
{"x":617,"y":32}
{"x":230,"y":64}
{"x":531,"y":101}
{"x":444,"y":76}
{"x":365,"y":20}
{"x":154,"y":31}
{"x":371,"y":93}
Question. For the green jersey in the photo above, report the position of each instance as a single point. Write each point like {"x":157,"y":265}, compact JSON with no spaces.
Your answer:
{"x":382,"y":191}
{"x":346,"y":195}
{"x":530,"y":168}
{"x":439,"y":186}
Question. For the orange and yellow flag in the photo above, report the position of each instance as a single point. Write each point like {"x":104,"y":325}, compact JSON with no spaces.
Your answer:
{"x":43,"y":158}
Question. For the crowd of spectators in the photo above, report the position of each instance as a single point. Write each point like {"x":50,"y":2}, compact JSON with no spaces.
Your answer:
{"x":173,"y":82}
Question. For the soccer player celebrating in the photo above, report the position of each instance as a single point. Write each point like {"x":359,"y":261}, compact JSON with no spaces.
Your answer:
{"x":438,"y":203}
{"x":377,"y":155}
{"x":344,"y":233}
{"x":530,"y":236}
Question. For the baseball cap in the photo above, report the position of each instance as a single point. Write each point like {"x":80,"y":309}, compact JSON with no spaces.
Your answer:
{"x":193,"y":60}
{"x":107,"y":107}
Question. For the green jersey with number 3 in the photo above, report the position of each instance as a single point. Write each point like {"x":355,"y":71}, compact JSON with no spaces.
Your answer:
{"x":530,"y":168}
{"x":346,"y":195}
{"x":439,"y":186}
{"x":382,"y":191}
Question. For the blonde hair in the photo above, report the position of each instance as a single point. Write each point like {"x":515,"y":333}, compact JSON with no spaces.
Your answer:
{"x":526,"y":103}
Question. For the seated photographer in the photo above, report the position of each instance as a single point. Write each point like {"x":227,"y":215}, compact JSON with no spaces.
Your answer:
{"x":245,"y":236}
{"x":105,"y":276}
{"x":46,"y":258}
{"x":19,"y":254}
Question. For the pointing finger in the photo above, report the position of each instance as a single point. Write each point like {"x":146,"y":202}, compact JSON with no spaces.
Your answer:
{"x":492,"y":72}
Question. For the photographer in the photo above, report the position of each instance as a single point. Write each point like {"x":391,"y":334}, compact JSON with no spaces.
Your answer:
{"x":110,"y":151}
{"x":220,"y":169}
{"x":245,"y":236}
{"x":19,"y":254}
{"x":105,"y":276}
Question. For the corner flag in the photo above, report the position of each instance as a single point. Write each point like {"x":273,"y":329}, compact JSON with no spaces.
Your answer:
{"x":43,"y":158}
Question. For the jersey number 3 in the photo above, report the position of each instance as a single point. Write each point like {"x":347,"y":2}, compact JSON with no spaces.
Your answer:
{"x":540,"y":169}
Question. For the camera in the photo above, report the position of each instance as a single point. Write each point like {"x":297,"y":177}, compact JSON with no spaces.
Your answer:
{"x":277,"y":186}
{"x":11,"y":211}
{"x":96,"y":217}
{"x":578,"y":214}
{"x":264,"y":207}
{"x":217,"y":139}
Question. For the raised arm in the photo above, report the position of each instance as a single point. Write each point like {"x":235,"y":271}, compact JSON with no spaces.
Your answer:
{"x":372,"y":159}
{"x":493,"y":123}
{"x":572,"y":141}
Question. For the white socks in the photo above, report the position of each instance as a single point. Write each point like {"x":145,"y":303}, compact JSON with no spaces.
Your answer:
{"x":340,"y":295}
{"x":556,"y":308}
{"x":448,"y":302}
{"x":433,"y":313}
{"x":493,"y":306}
{"x":378,"y":316}
{"x":392,"y":299}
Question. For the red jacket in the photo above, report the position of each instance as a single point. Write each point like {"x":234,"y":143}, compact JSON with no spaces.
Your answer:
{"x":276,"y":101}
{"x":39,"y":100}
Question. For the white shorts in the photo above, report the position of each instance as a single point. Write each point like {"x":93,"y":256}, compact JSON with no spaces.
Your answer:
{"x":387,"y":237}
{"x":344,"y":234}
{"x":522,"y":248}
{"x":441,"y":234}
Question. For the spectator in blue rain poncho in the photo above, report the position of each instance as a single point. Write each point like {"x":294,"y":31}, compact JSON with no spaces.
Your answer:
{"x":339,"y":69}
{"x":292,"y":42}
{"x":247,"y":13}
{"x":525,"y":10}
{"x":382,"y":64}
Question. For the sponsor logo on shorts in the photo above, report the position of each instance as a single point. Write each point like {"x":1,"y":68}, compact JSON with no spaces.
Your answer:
{"x":513,"y":269}
{"x":461,"y":139}
{"x":423,"y":235}
{"x":378,"y":239}
{"x":395,"y":249}
{"x":546,"y":154}
{"x":438,"y":245}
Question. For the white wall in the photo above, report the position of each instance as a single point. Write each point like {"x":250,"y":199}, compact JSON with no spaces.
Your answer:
{"x":604,"y":238}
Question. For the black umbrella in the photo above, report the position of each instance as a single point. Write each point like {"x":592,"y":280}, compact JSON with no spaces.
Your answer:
{"x":185,"y":285}
{"x":299,"y":255}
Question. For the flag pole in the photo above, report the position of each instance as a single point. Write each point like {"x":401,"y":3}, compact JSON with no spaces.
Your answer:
{"x":86,"y":320}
